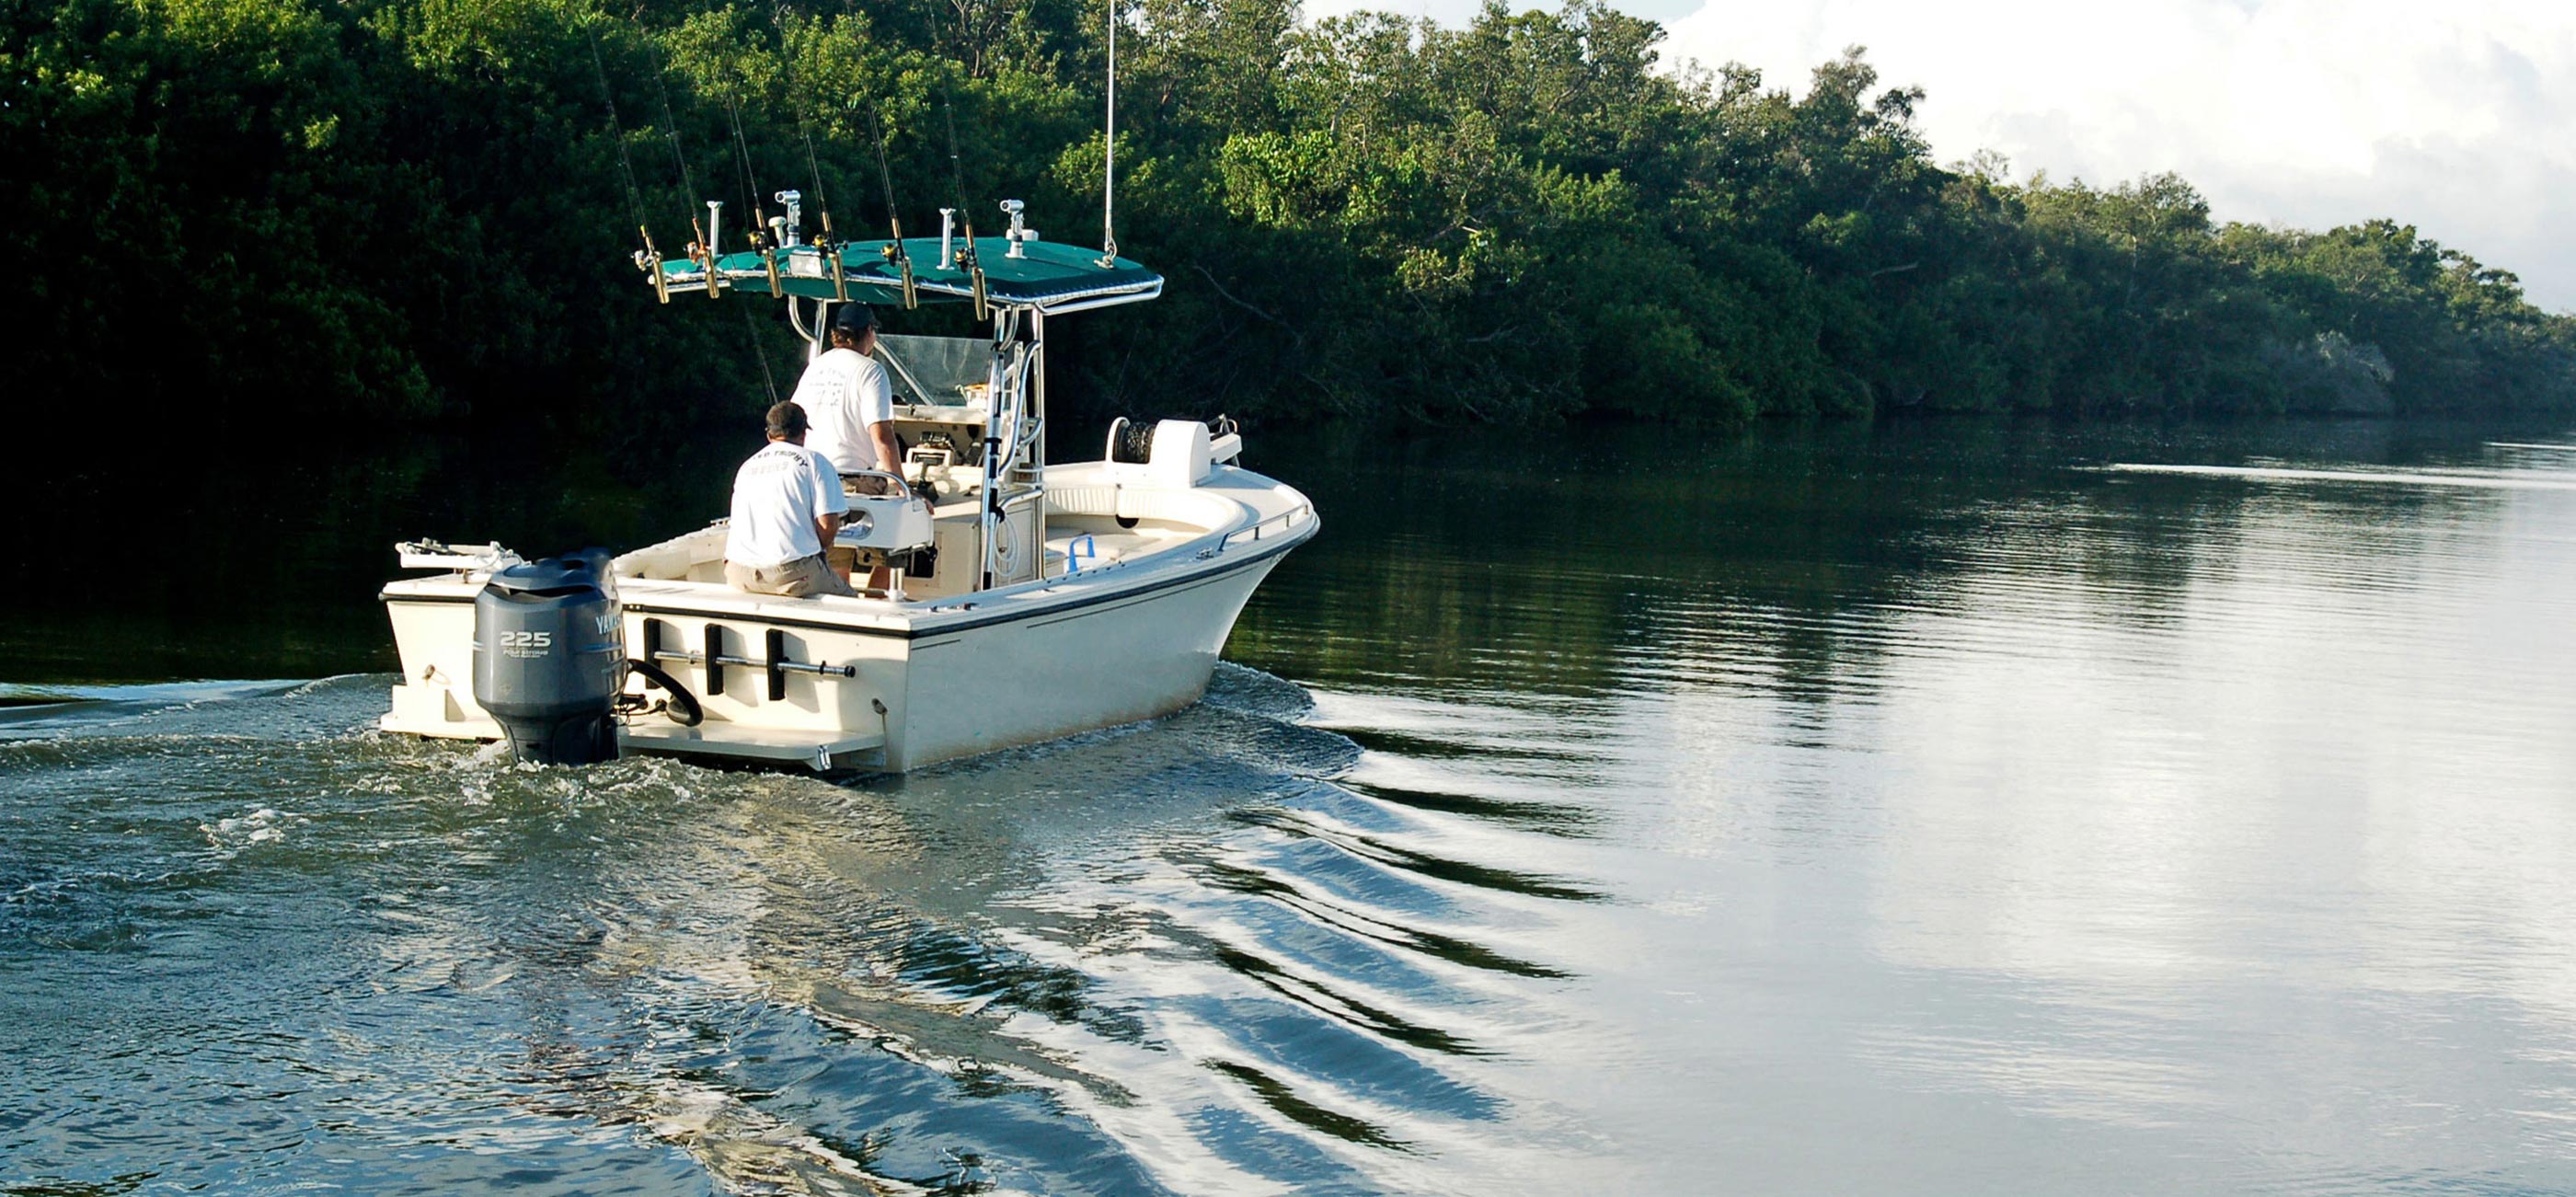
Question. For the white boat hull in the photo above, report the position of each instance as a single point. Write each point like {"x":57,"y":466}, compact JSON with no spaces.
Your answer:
{"x":933,"y":681}
{"x":1043,"y":677}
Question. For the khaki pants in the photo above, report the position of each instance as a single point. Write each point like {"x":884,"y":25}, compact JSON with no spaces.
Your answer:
{"x":804,"y":577}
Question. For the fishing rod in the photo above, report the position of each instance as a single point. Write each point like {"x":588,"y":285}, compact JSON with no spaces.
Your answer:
{"x":702,"y":250}
{"x":765,"y":237}
{"x":966,"y":257}
{"x":649,"y":259}
{"x":750,"y":176}
{"x":894,"y":250}
{"x":824,"y":243}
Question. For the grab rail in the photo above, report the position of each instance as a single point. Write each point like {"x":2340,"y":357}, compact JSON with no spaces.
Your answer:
{"x":1285,"y":519}
{"x":903,"y":489}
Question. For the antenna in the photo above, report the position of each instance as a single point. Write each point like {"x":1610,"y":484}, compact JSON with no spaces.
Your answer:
{"x":1109,"y":155}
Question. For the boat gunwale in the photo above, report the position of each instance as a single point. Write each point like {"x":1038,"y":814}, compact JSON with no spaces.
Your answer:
{"x":1049,"y":597}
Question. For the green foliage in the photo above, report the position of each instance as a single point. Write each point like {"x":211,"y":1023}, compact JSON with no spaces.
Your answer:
{"x":407,"y":209}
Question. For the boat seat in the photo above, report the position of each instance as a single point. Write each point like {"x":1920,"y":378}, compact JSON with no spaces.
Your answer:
{"x":693,"y":557}
{"x":1082,"y":500}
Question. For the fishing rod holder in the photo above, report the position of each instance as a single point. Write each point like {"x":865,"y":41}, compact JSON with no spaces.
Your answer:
{"x":948,"y":238}
{"x":895,"y":256}
{"x":775,"y":666}
{"x":649,"y":260}
{"x":703,"y":250}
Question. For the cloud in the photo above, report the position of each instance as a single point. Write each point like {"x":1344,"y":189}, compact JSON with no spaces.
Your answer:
{"x":2453,"y":117}
{"x":2312,"y":113}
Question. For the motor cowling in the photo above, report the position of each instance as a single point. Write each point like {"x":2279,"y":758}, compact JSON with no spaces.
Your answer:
{"x":550,"y":658}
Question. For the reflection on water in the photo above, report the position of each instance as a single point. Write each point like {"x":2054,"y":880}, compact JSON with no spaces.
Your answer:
{"x":1934,"y":810}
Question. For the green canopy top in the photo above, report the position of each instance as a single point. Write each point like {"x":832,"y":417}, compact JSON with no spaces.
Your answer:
{"x":1049,"y":276}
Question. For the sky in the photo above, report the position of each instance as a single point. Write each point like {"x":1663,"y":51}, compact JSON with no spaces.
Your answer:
{"x":2455,"y":116}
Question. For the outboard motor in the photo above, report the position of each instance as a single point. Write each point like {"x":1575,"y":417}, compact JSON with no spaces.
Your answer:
{"x":550,"y":658}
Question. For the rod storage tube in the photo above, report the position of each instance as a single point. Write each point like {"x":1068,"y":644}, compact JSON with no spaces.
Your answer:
{"x":715,"y":658}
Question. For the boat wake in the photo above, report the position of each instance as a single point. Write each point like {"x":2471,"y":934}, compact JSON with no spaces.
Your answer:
{"x":1192,"y":955}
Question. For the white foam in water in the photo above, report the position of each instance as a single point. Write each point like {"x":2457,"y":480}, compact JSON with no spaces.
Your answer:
{"x":261,"y":826}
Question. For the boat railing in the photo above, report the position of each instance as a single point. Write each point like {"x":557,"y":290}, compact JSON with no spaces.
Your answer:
{"x":466,"y":558}
{"x":1270,"y":526}
{"x":1285,"y":520}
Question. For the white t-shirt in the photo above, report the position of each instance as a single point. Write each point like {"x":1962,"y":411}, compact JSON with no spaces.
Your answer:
{"x":843,"y":392}
{"x":777,"y":496}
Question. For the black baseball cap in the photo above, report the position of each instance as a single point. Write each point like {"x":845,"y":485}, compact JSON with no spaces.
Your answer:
{"x":854,"y":318}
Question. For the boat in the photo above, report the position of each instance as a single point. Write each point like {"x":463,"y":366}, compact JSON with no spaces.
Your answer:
{"x":1026,"y":600}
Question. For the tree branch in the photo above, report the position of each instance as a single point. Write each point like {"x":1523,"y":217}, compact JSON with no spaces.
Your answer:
{"x":1238,"y":301}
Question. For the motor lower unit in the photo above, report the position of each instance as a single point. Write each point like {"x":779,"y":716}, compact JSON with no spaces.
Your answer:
{"x":550,"y":658}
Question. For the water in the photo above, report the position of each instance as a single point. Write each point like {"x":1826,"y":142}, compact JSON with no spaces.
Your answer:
{"x":1945,"y":809}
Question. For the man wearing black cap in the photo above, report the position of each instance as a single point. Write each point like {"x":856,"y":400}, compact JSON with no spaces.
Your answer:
{"x":846,"y":395}
{"x":787,"y":506}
